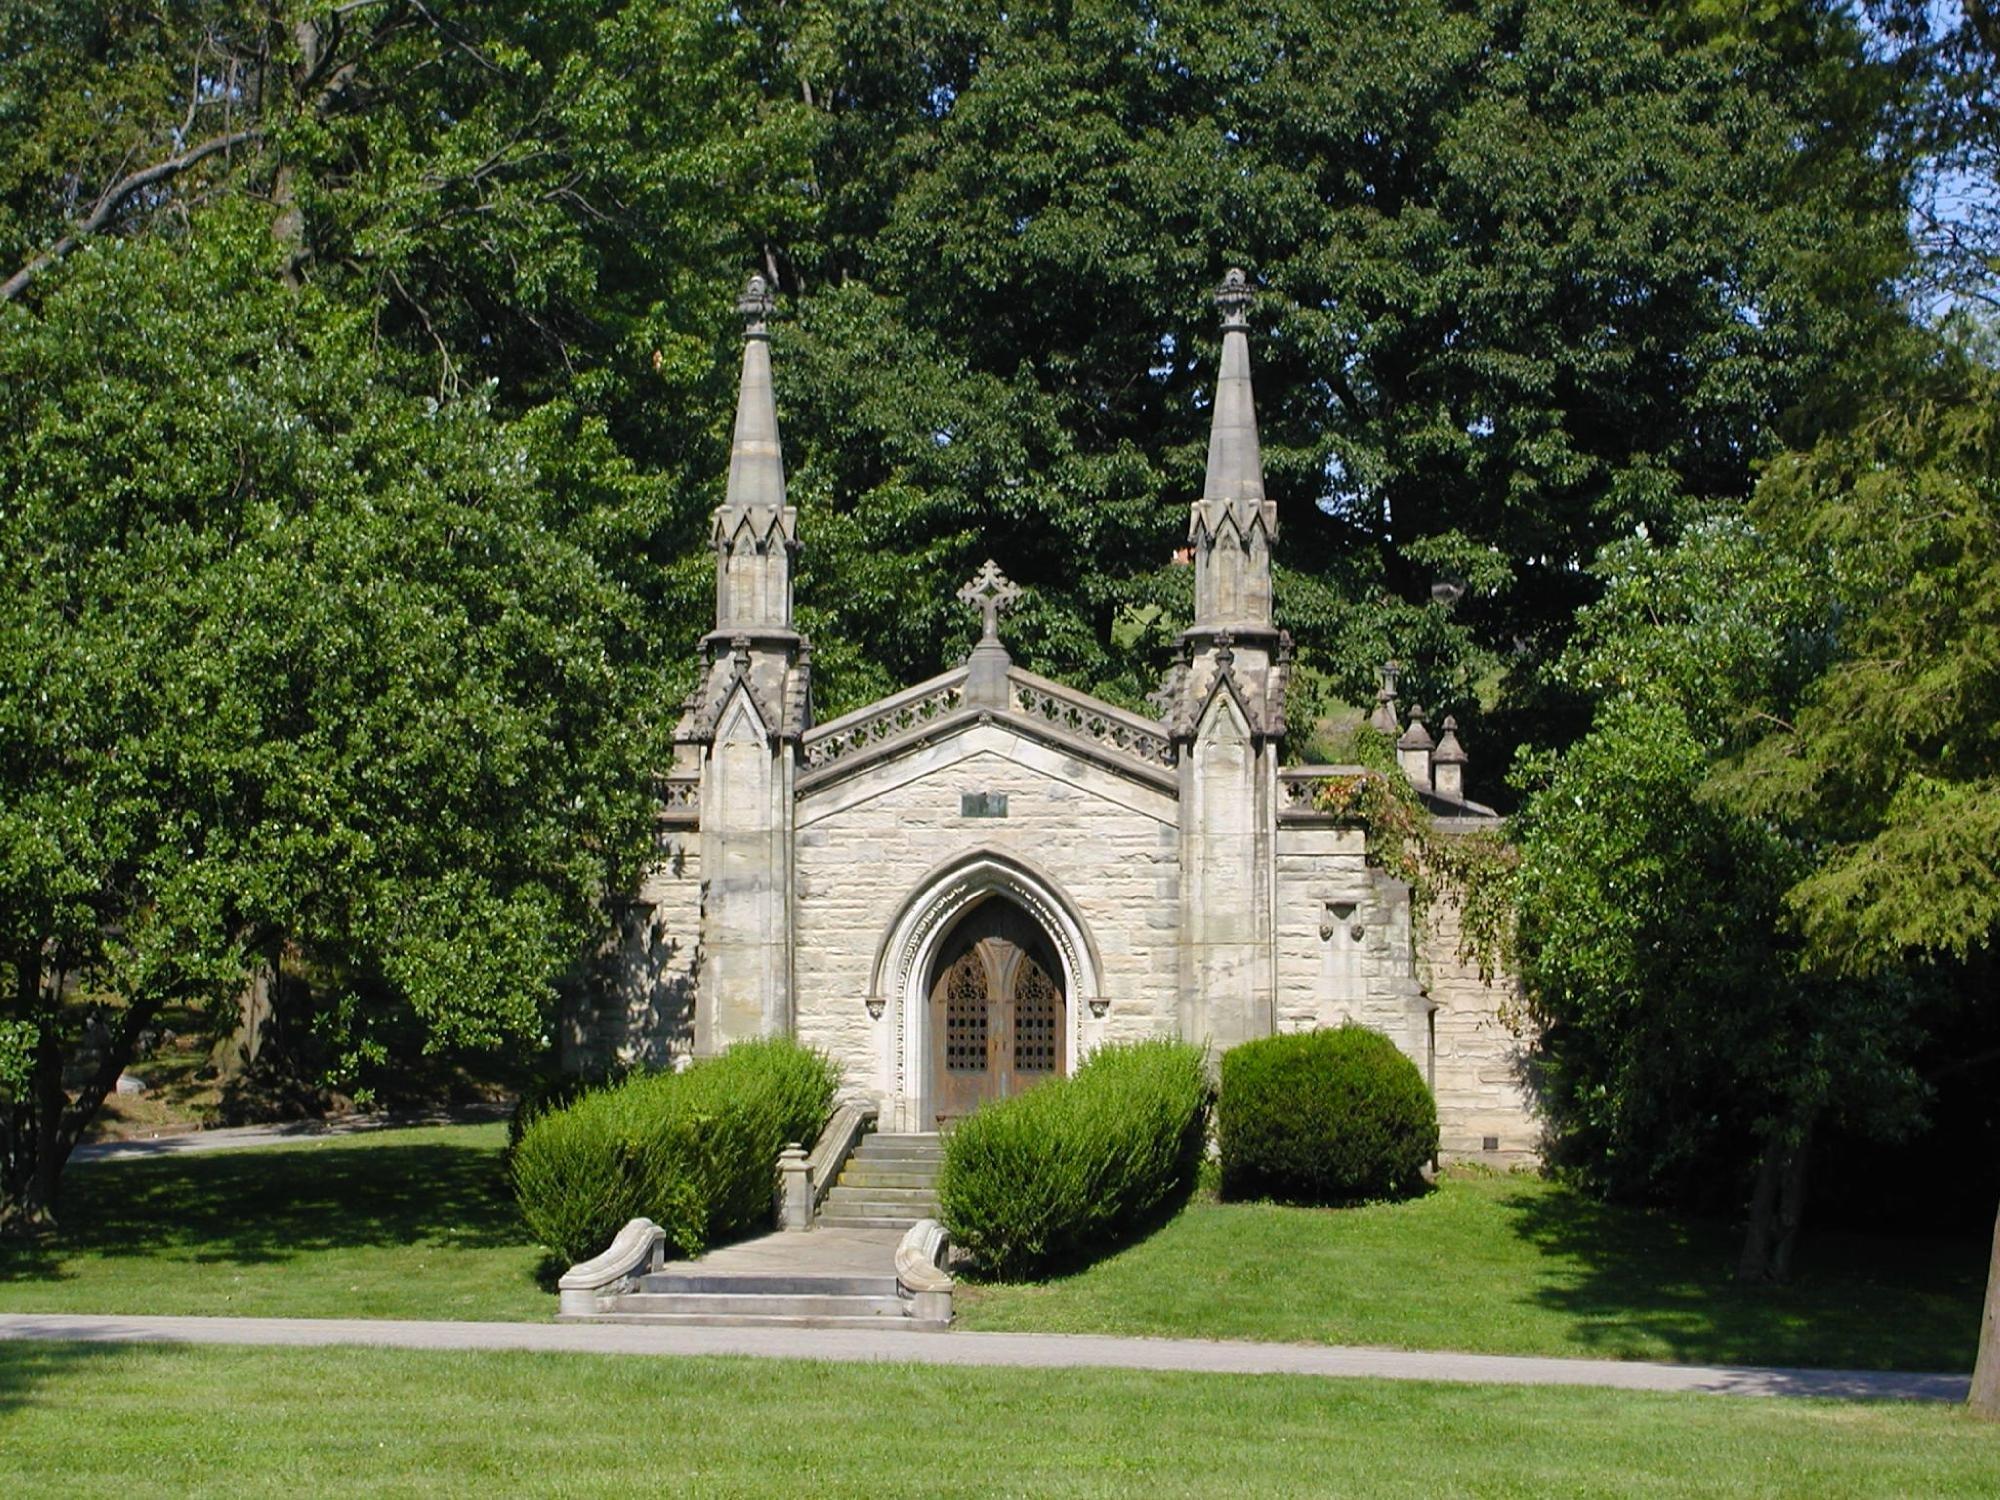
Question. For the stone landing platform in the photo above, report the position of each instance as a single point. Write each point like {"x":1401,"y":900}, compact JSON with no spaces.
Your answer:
{"x":825,"y":1278}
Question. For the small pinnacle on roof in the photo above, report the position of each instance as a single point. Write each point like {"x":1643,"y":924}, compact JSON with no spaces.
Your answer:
{"x":1416,"y":737}
{"x":1383,"y":720}
{"x":1449,"y":750}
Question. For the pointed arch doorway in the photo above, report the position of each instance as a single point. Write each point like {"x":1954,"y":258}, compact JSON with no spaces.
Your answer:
{"x":998,"y":1010}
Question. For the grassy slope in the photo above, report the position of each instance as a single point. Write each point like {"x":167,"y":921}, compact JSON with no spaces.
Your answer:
{"x":419,"y":1224}
{"x":400,"y":1224}
{"x":1512,"y":1265}
{"x":99,"y":1420}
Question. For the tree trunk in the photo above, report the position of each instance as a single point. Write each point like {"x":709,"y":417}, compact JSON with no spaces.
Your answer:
{"x":1985,"y":1398}
{"x":1754,"y":1264}
{"x":1791,"y":1207}
{"x":45,"y":1129}
{"x":1777,"y":1208}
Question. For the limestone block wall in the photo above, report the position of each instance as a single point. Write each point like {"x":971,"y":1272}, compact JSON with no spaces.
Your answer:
{"x":867,"y":843}
{"x":635,"y":1005}
{"x":1345,"y":954}
{"x":1342,"y":934}
{"x":1481,"y":1054}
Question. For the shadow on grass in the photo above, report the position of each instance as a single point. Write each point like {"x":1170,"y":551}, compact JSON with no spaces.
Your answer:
{"x":26,"y":1364}
{"x":1632,"y":1281}
{"x":262,"y":1207}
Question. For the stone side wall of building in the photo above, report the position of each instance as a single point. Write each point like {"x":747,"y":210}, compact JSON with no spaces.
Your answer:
{"x":1342,"y":941}
{"x":868,"y":842}
{"x":634,"y":1004}
{"x":1481,"y":1051}
{"x":1344,"y":954}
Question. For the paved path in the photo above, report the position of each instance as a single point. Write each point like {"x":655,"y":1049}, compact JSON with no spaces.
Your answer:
{"x":1040,"y":1350}
{"x":824,"y":1252}
{"x":292,"y":1133}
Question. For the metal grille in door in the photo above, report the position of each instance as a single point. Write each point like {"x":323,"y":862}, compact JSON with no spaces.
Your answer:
{"x":1037,"y":1020}
{"x":965,"y":1015}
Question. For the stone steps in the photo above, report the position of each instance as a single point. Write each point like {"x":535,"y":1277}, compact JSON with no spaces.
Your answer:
{"x":889,"y":1182}
{"x":896,"y":1155}
{"x":765,"y":1283}
{"x":736,"y":1307}
{"x":902,"y":1175}
{"x":759,"y":1320}
{"x":693,"y":1298}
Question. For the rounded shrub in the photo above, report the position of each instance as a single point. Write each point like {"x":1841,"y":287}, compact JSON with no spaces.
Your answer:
{"x":1323,"y":1117}
{"x":1055,"y":1175}
{"x":696,"y":1152}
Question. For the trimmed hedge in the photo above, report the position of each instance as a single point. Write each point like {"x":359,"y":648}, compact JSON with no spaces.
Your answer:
{"x":1057,"y":1174}
{"x":695,"y":1152}
{"x":1323,"y":1117}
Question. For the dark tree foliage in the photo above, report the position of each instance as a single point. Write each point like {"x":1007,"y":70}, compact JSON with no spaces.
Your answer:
{"x":362,"y":327}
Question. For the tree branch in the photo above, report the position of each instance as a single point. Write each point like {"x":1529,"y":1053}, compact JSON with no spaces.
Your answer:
{"x":113,"y":199}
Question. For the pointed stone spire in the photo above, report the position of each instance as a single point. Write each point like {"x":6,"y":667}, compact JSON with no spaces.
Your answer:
{"x":1235,"y":462}
{"x":756,"y":463}
{"x":1232,"y":525}
{"x":755,"y":531}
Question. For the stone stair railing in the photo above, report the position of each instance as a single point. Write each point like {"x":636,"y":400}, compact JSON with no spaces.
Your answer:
{"x":804,"y":1178}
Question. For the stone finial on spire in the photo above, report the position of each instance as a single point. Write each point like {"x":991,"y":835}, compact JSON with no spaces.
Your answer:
{"x":756,"y":306}
{"x":1234,"y":298}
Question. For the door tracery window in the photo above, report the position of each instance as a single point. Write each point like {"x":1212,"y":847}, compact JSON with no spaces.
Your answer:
{"x":997,"y":1010}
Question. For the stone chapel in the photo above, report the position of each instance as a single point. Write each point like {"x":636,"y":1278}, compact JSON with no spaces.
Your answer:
{"x":963,"y":888}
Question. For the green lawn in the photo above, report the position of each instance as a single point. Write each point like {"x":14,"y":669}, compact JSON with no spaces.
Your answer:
{"x":391,"y":1224}
{"x":419,"y":1224}
{"x":78,"y":1419}
{"x":1513,"y":1265}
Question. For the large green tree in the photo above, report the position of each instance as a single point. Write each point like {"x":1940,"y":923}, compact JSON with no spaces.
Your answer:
{"x":287,"y":655}
{"x":1887,"y":766}
{"x":1689,"y":1051}
{"x":1536,"y":273}
{"x":342,"y":533}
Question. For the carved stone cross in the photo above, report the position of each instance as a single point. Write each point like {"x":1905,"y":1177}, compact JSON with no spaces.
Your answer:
{"x":989,"y":593}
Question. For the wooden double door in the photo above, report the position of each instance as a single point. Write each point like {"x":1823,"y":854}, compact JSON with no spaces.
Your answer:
{"x":997,"y":1010}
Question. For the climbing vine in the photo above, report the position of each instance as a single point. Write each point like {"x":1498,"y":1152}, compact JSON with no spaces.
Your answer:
{"x":1472,"y":871}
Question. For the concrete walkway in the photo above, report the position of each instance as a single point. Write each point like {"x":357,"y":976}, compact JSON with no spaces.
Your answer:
{"x":1036,"y":1350}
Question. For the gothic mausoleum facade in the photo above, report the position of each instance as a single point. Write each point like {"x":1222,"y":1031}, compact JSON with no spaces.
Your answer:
{"x":962,"y":889}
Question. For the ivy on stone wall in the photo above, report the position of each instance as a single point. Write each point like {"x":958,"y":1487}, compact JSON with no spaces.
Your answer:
{"x":1472,"y":871}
